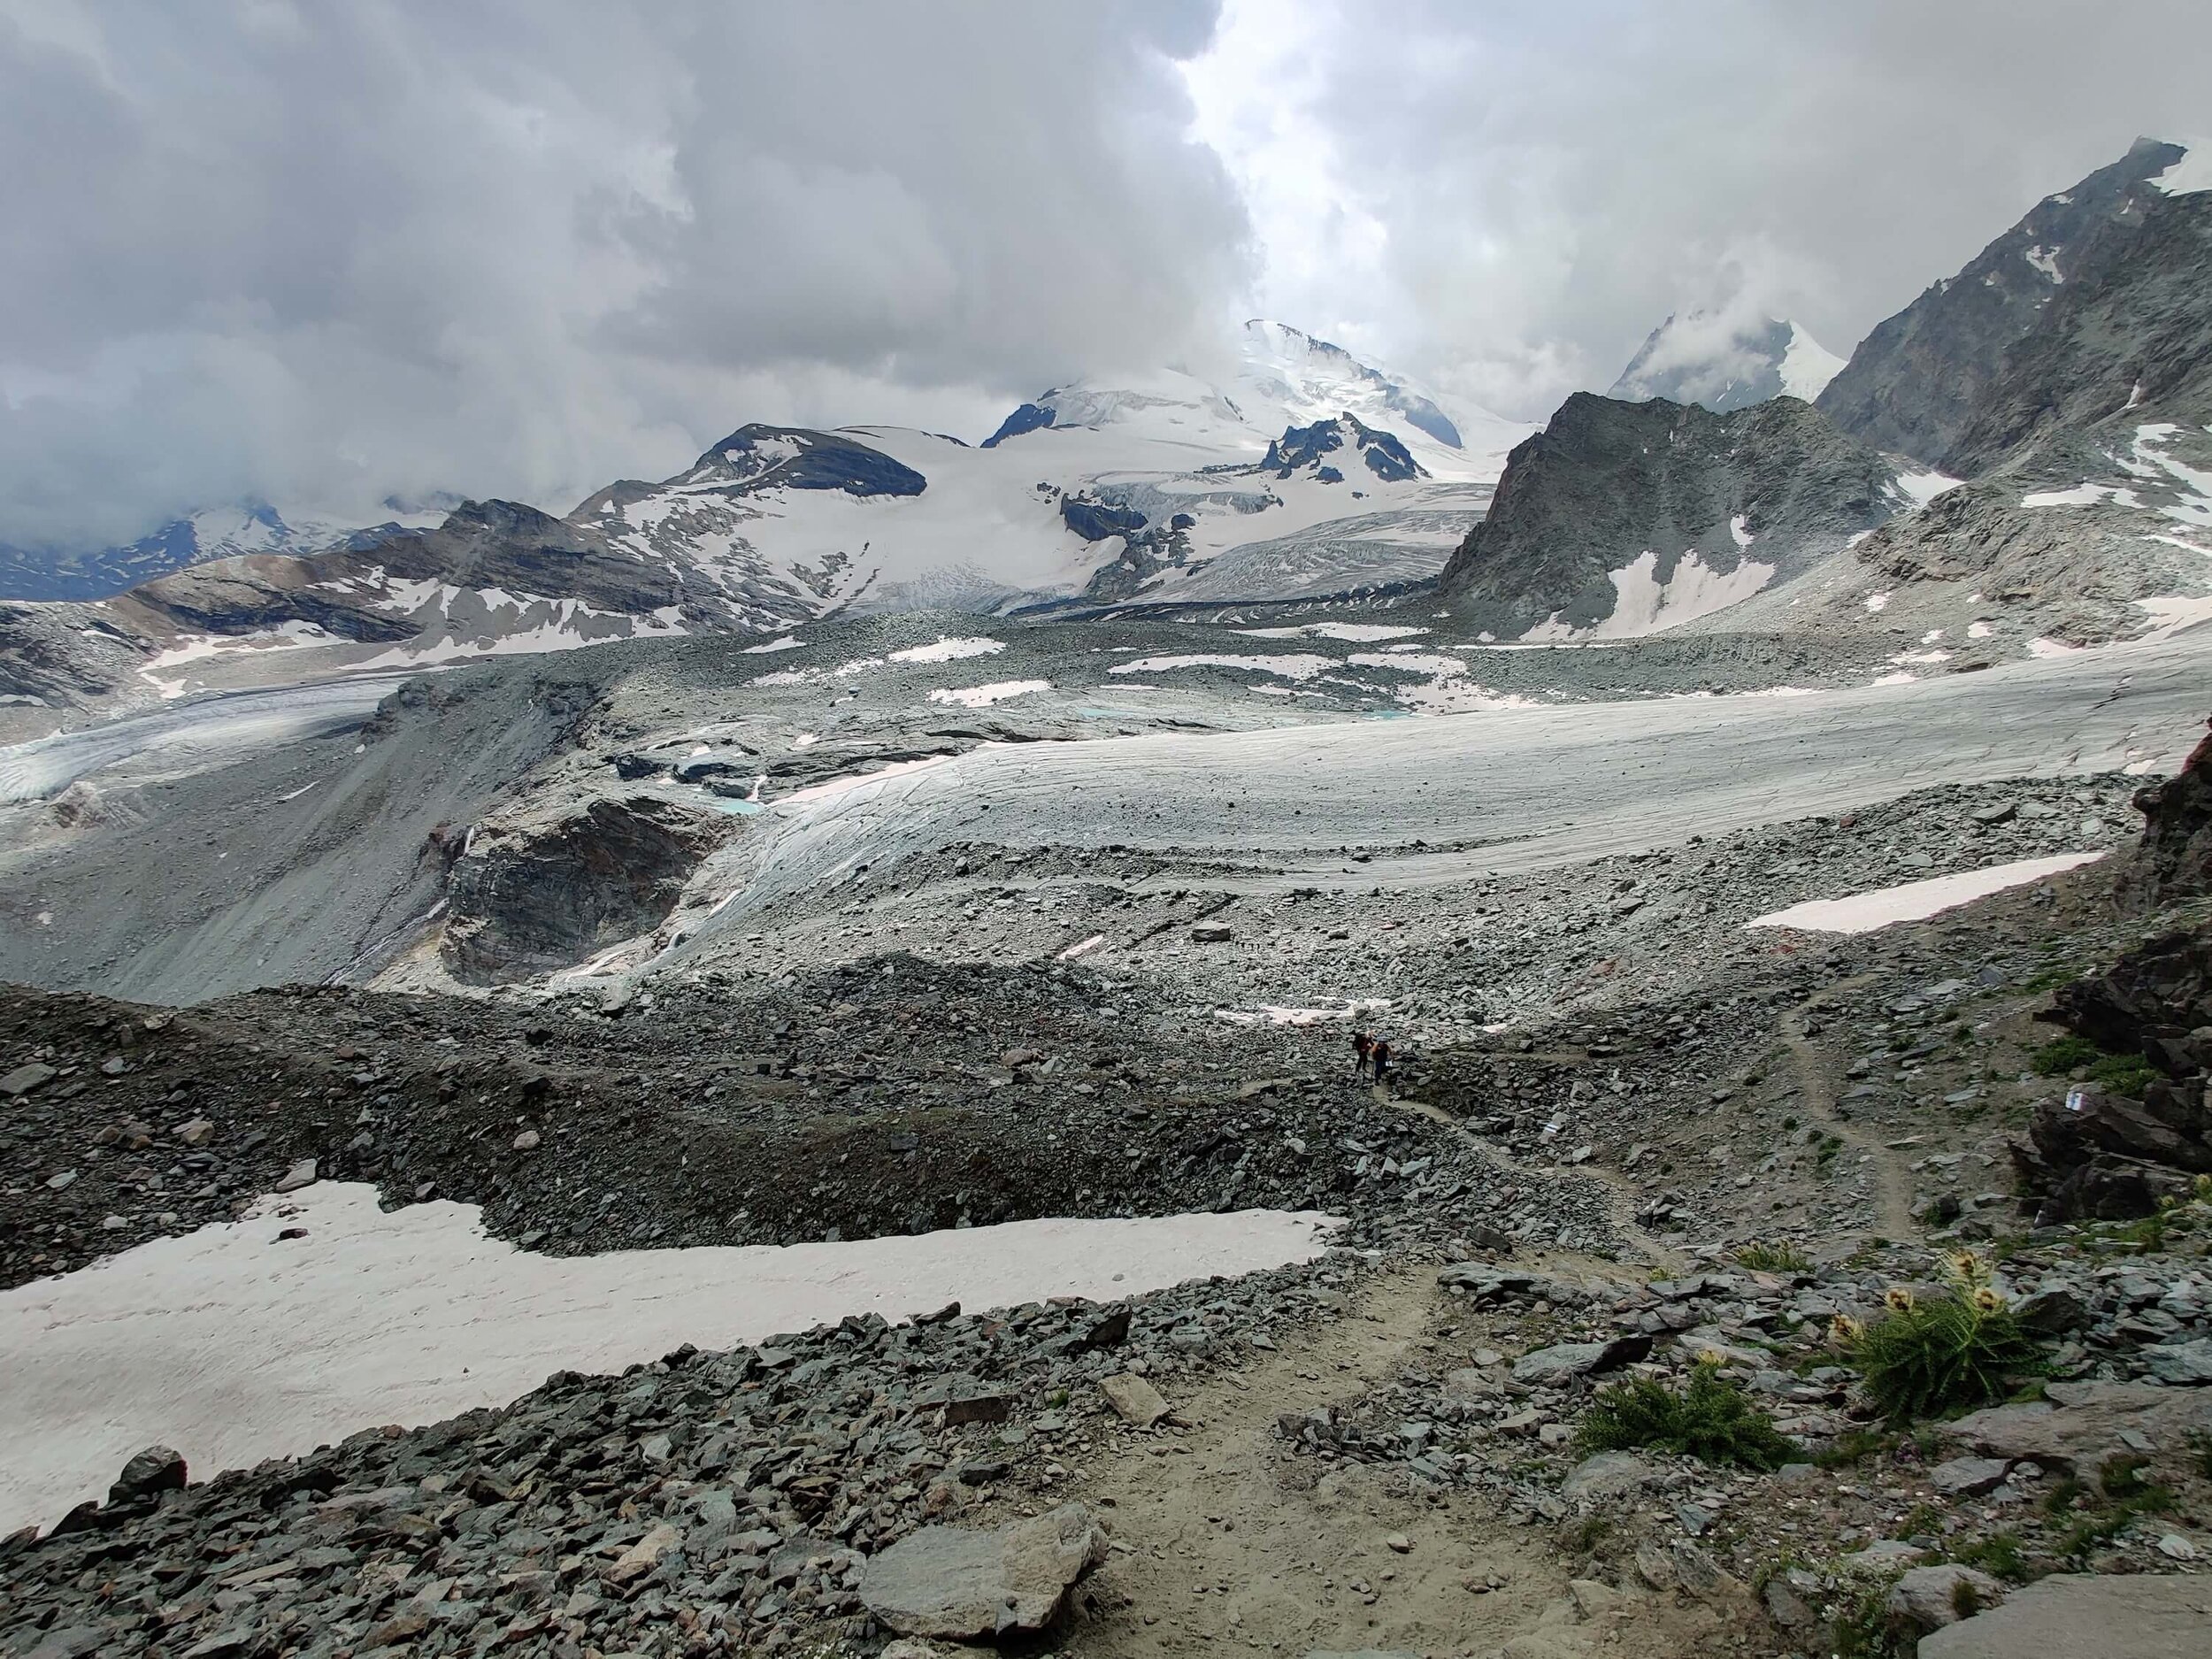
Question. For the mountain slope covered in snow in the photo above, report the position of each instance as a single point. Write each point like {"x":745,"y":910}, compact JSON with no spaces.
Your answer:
{"x":1724,"y":364}
{"x":1308,"y":475}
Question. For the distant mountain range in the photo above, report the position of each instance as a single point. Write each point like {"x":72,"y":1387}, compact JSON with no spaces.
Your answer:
{"x":1305,"y":473}
{"x":2062,"y":376}
{"x":214,"y":533}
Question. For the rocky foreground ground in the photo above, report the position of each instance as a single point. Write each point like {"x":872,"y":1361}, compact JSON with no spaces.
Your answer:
{"x":1716,"y":1178}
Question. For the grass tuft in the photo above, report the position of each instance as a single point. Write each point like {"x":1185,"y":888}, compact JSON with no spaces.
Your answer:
{"x":1710,"y":1419}
{"x":2056,"y":1058}
{"x":1774,"y":1258}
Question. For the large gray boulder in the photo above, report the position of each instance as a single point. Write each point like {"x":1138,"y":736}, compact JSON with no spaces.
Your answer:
{"x":2080,"y":1425}
{"x":1566,"y":1360}
{"x":1929,"y":1598}
{"x":148,"y":1475}
{"x":1607,"y":1475}
{"x":2077,"y":1616}
{"x":960,"y":1583}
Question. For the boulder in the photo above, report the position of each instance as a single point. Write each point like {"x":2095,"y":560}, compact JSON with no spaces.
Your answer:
{"x":642,"y":1556}
{"x":2182,"y":1363}
{"x":961,"y":1584}
{"x":75,"y":1642}
{"x":1929,"y":1598}
{"x":1607,"y":1475}
{"x":1967,"y":1476}
{"x":1136,"y":1400}
{"x":2078,"y":1424}
{"x":1482,"y":1282}
{"x":25,"y":1078}
{"x":1566,"y":1360}
{"x":151,"y":1472}
{"x":2079,"y":1616}
{"x":2164,"y":986}
{"x":2175,"y":858}
{"x":977,"y":1408}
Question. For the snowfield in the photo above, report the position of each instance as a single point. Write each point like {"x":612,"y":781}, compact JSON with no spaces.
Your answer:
{"x":232,"y":1345}
{"x":1916,"y":901}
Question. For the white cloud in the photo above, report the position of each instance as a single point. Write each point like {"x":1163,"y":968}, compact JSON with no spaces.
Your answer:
{"x":329,"y":254}
{"x":1532,"y":188}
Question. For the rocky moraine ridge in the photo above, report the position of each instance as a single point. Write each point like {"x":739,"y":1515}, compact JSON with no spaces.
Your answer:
{"x":1440,"y":1400}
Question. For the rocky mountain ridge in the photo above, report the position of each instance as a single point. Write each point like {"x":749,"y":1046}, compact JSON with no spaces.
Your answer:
{"x":214,"y":533}
{"x":1620,"y":518}
{"x":1913,"y":384}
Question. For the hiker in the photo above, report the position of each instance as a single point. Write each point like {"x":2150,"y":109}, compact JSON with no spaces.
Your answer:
{"x":1362,"y":1046}
{"x":1379,"y":1053}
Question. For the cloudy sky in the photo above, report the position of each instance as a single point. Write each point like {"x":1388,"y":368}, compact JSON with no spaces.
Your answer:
{"x":326,"y":255}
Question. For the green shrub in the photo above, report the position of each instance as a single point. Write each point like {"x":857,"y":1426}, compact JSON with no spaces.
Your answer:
{"x":2056,"y":1059}
{"x":1998,"y":1555}
{"x":1921,"y":1520}
{"x":1774,"y":1258}
{"x":1710,"y":1419}
{"x":2121,"y":1475}
{"x":2127,"y":1074}
{"x":1948,"y":1353}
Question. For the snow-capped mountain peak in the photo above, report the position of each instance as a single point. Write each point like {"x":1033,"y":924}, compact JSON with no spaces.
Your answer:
{"x":2190,"y":175}
{"x":1314,"y":380}
{"x":1723,"y":362}
{"x":1310,"y":449}
{"x":758,"y":457}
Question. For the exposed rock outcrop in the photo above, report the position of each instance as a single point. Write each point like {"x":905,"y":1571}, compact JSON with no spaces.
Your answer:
{"x":2074,"y":574}
{"x":1607,"y":483}
{"x":538,"y":894}
{"x":2126,"y":340}
{"x":2175,"y":860}
{"x":2079,"y":1615}
{"x":1326,"y":447}
{"x":2102,"y":1153}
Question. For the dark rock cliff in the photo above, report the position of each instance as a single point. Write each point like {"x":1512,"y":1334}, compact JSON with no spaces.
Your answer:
{"x":1913,"y":385}
{"x":1607,"y":481}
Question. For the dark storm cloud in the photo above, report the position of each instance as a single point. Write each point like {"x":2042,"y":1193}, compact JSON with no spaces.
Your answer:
{"x":329,"y":254}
